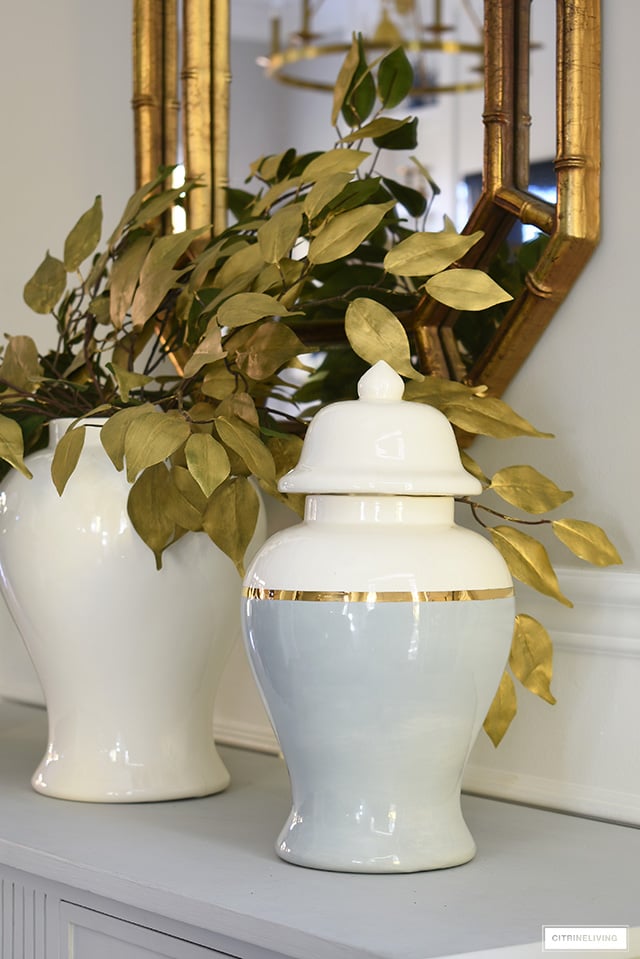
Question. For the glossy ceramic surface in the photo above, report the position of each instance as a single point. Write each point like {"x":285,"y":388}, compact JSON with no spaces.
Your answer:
{"x":376,"y":676}
{"x":376,"y":706}
{"x":380,"y":444}
{"x":378,"y":631}
{"x":129,"y":657}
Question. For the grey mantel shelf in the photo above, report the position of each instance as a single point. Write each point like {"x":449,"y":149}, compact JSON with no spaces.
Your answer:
{"x":198,"y":876}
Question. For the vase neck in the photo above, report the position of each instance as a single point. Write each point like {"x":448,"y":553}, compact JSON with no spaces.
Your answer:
{"x":57,"y":428}
{"x":389,"y":510}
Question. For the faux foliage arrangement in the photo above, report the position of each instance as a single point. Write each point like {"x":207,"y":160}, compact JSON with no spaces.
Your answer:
{"x":185,"y":345}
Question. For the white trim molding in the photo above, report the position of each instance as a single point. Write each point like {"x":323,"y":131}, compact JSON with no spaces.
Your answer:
{"x":582,"y":755}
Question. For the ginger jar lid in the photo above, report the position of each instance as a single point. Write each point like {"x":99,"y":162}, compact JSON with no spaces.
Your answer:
{"x":380,"y":443}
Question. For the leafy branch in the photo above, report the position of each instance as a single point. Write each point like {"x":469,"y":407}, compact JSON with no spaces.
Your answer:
{"x":186,"y":349}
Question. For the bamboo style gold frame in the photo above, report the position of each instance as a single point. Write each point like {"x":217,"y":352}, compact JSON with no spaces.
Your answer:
{"x":572,"y":223}
{"x":181,"y":66}
{"x":198,"y":31}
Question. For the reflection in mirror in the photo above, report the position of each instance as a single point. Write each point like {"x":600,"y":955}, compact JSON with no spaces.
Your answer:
{"x":542,"y":96}
{"x":571,"y":222}
{"x":542,"y":269}
{"x":447,"y":99}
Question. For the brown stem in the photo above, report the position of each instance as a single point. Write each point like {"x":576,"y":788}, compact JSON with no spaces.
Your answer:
{"x":510,"y":519}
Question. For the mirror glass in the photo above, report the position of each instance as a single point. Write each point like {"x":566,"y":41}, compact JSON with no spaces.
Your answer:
{"x":542,"y":98}
{"x":515,"y":184}
{"x":520,"y":250}
{"x":267,"y":115}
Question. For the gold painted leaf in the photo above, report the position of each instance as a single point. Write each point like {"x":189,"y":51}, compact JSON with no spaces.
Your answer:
{"x":333,"y":162}
{"x":278,"y":234}
{"x":182,"y":510}
{"x":438,"y":392}
{"x":269,"y":166}
{"x":135,"y":202}
{"x":489,"y":416}
{"x":208,"y":350}
{"x":344,"y":79}
{"x":502,"y":710}
{"x":587,"y":541}
{"x":528,"y":561}
{"x":267,"y":347}
{"x":149,"y":296}
{"x":376,"y":334}
{"x":201,"y":416}
{"x":239,"y":437}
{"x":66,"y":456}
{"x":155,"y":206}
{"x":282,"y":278}
{"x":346,"y":231}
{"x":21,"y":368}
{"x":323,"y":191}
{"x":218,"y":381}
{"x":157,"y":275}
{"x":245,"y":308}
{"x":286,"y":453}
{"x":241,"y":405}
{"x":46,"y":286}
{"x":526,"y":488}
{"x":395,"y":78}
{"x":466,"y":289}
{"x":128,"y":381}
{"x":207,"y":461}
{"x":148,"y":506}
{"x":424,"y":254}
{"x":531,"y":657}
{"x":129,"y":346}
{"x":12,"y":446}
{"x":112,"y":434}
{"x":208,"y":259}
{"x":97,"y":270}
{"x":274,"y":193}
{"x":100,"y":309}
{"x":189,"y":489}
{"x":125,"y":274}
{"x":84,"y":237}
{"x":472,"y":467}
{"x":152,"y":438}
{"x":77,"y":368}
{"x":230,"y":518}
{"x":379,"y":127}
{"x":243,"y":264}
{"x":241,"y":284}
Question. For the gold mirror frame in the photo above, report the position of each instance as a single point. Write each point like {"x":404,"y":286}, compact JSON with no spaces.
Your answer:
{"x":572,"y":223}
{"x":195,"y":33}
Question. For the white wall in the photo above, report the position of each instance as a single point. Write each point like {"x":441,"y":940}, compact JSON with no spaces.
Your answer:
{"x":580,"y":382}
{"x":67,"y":133}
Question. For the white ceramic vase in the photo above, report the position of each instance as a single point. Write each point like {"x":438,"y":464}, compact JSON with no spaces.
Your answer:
{"x":129,"y":657}
{"x":378,"y":631}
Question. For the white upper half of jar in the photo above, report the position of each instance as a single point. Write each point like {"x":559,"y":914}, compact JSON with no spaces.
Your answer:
{"x":378,"y":543}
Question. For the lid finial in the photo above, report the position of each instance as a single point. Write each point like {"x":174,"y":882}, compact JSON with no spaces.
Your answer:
{"x":380,"y":383}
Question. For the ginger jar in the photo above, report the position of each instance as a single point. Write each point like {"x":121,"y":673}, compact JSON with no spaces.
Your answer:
{"x":377,"y":630}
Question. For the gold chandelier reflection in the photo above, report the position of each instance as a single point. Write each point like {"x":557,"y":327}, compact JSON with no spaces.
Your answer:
{"x":425,"y":42}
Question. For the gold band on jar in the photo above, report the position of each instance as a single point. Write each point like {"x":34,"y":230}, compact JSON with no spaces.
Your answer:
{"x":352,"y":596}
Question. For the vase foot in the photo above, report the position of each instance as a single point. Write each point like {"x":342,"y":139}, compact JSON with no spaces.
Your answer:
{"x":434,"y":840}
{"x":125,"y":782}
